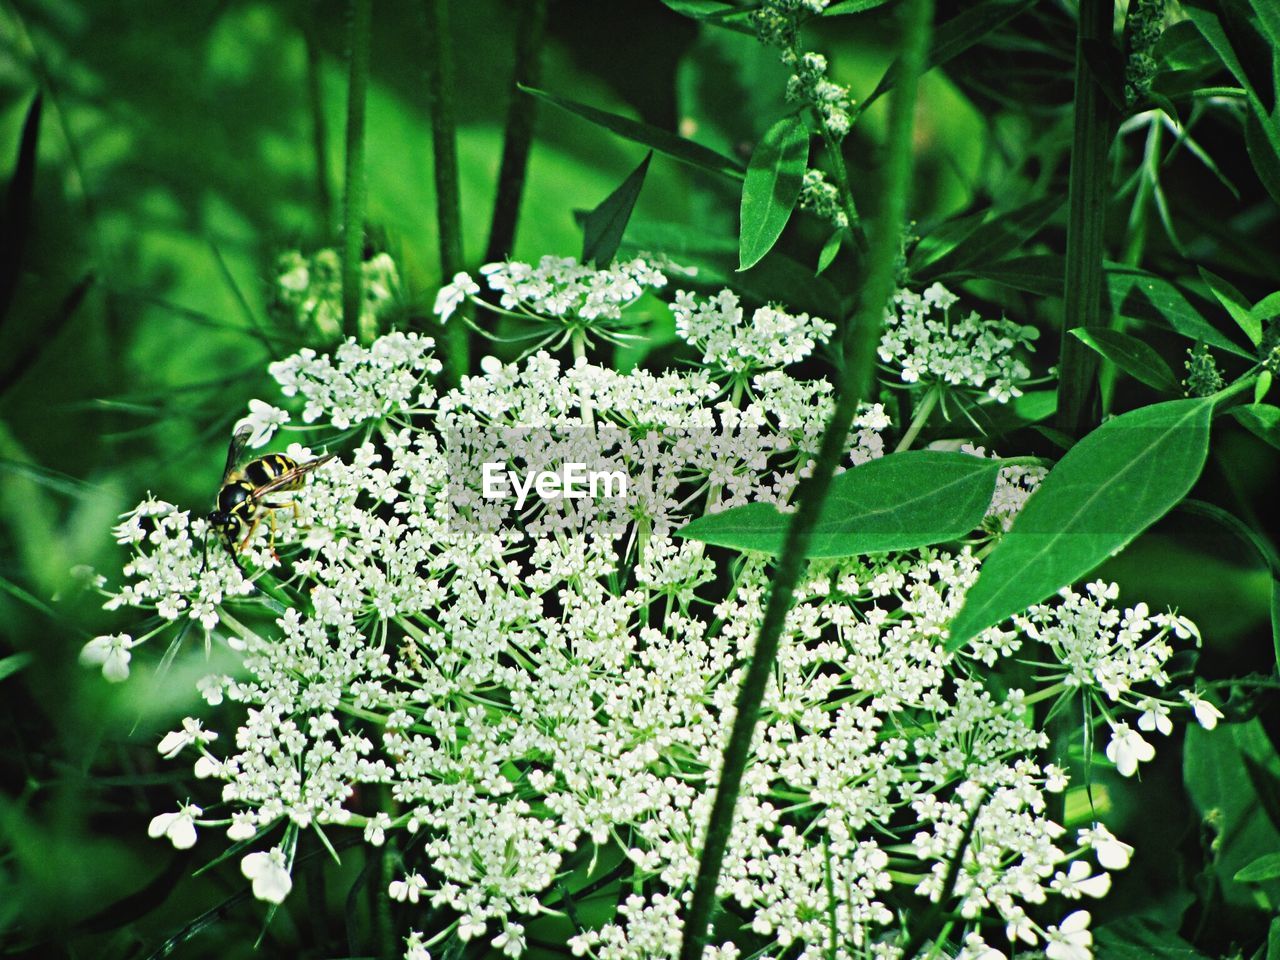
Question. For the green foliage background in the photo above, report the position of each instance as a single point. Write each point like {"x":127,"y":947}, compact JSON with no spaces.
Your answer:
{"x":177,"y":156}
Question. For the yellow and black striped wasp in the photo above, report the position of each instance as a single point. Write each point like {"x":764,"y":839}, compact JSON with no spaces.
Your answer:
{"x":242,"y":499}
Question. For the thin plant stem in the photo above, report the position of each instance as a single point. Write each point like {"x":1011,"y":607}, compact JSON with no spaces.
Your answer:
{"x":518,"y":138}
{"x":353,"y":197}
{"x":1086,"y":219}
{"x":861,"y":339}
{"x":918,"y":421}
{"x":444,"y":144}
{"x":319,"y":131}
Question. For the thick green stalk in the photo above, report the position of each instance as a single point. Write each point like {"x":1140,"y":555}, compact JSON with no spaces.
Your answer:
{"x":444,"y":143}
{"x":521,"y":112}
{"x":861,"y":339}
{"x":1086,"y":216}
{"x":361,"y":13}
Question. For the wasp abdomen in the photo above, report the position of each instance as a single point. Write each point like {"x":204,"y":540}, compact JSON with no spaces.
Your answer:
{"x":262,"y":471}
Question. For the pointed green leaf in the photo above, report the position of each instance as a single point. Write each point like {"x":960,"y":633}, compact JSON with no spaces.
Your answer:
{"x":1268,"y":308}
{"x":1138,"y":295}
{"x":1039,"y":273}
{"x":1262,"y":387}
{"x":17,"y":207}
{"x":899,"y":502}
{"x":13,"y":663}
{"x":771,"y":188}
{"x":852,"y":6}
{"x":1105,"y":490}
{"x":1263,"y":154}
{"x":665,"y":142}
{"x":1260,"y":419}
{"x":997,"y":238}
{"x":829,"y":251}
{"x":1273,"y":940}
{"x":1132,"y":356}
{"x":603,"y":227}
{"x":1235,"y":304}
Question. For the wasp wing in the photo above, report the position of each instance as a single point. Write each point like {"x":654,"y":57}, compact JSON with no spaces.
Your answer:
{"x":235,"y":450}
{"x":286,"y":478}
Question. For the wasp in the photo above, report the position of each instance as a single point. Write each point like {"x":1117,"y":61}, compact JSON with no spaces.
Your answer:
{"x":242,"y":499}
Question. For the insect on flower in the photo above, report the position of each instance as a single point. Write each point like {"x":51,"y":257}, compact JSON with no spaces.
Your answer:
{"x":242,"y":499}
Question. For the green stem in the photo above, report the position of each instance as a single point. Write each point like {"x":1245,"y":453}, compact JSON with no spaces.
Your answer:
{"x":361,"y":13}
{"x":918,"y":421}
{"x":521,"y":112}
{"x":444,"y":144}
{"x":1086,"y":216}
{"x":862,"y":338}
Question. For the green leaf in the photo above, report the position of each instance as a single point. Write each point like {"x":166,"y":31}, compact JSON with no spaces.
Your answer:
{"x":1235,"y":304}
{"x":665,"y":142}
{"x":1139,"y":938}
{"x":1039,"y":273}
{"x":1106,"y":65}
{"x":1268,"y":308}
{"x":13,"y":663}
{"x":1217,"y":780}
{"x":829,"y":251}
{"x":1004,"y":233}
{"x":899,"y":502}
{"x":996,"y":419}
{"x":1260,"y":419}
{"x":17,"y":208}
{"x":852,"y":6}
{"x":1262,"y":387}
{"x":603,"y":227}
{"x":1106,"y":490}
{"x":1137,"y":295}
{"x":1132,"y":356}
{"x":771,"y":188}
{"x":957,"y":35}
{"x":1263,"y":154}
{"x":1268,"y":14}
{"x":1273,"y":940}
{"x":1275,"y":620}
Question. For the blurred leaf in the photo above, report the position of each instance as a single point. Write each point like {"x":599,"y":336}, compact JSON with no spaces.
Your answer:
{"x":1137,"y":938}
{"x":771,"y":188}
{"x":1219,"y":786}
{"x":1138,"y":295}
{"x":1263,"y":154}
{"x":18,"y":365}
{"x":715,"y":12}
{"x":1040,"y":273}
{"x":897,"y":502}
{"x":1132,"y":356}
{"x":1265,"y":779}
{"x":17,"y":208}
{"x":1235,"y":304}
{"x":952,"y":38}
{"x":13,"y":663}
{"x":603,"y":227}
{"x":1273,"y":940}
{"x":1260,"y":419}
{"x":1107,"y":489}
{"x":1183,"y":47}
{"x":678,"y":148}
{"x":1004,"y":233}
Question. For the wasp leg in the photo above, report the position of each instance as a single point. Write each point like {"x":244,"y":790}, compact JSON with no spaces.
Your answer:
{"x":270,"y":509}
{"x":253,"y":527}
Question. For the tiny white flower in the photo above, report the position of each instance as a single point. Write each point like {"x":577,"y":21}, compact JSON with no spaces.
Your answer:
{"x":452,"y":295}
{"x":111,"y":653}
{"x":410,"y":888}
{"x":1112,"y":853}
{"x":242,"y":826}
{"x":1079,"y":881}
{"x":269,"y":873}
{"x":1206,"y":714}
{"x":1070,"y":940}
{"x":179,"y":828}
{"x":263,"y":419}
{"x":1155,"y":716}
{"x":1127,"y":749}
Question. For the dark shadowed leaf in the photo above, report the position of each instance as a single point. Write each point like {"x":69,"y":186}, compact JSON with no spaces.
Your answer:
{"x":1132,"y":356}
{"x":1263,"y":154}
{"x":1106,"y":490}
{"x":1235,"y":304}
{"x":993,"y":240}
{"x":1040,"y":273}
{"x":844,"y":7}
{"x":665,"y":142}
{"x":899,"y":502}
{"x":771,"y":188}
{"x":17,"y":209}
{"x":1260,"y":419}
{"x":1138,"y":295}
{"x":603,"y":227}
{"x":1139,"y":938}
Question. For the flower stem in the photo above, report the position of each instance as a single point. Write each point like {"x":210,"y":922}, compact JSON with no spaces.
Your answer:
{"x":918,"y":421}
{"x":1086,"y":219}
{"x":862,"y":338}
{"x":444,"y":144}
{"x":353,"y":199}
{"x":516,"y":141}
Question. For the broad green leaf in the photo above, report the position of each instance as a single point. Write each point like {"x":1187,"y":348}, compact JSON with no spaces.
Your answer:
{"x":1217,"y":780}
{"x":1268,"y":308}
{"x":1132,"y":356}
{"x":771,"y":188}
{"x":1260,"y":419}
{"x":1138,"y":295}
{"x":665,"y":142}
{"x":1106,"y":490}
{"x":1040,"y":273}
{"x":1139,"y":938}
{"x":1235,"y":304}
{"x":603,"y":227}
{"x":1183,"y":47}
{"x":899,"y":502}
{"x":829,"y":251}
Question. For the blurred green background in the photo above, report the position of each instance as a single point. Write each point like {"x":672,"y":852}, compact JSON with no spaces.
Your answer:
{"x":183,"y":146}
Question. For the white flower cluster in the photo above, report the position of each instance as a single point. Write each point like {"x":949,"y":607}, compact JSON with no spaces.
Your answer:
{"x":557,"y":287}
{"x":931,"y":347}
{"x":772,"y":340}
{"x":544,"y":706}
{"x":309,"y":291}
